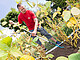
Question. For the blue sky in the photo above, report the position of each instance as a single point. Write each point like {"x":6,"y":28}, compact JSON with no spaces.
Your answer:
{"x":6,"y":5}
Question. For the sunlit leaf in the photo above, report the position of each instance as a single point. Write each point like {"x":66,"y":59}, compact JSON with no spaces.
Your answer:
{"x":3,"y":55}
{"x":54,"y":14}
{"x":7,"y":41}
{"x":78,"y":5}
{"x":18,"y":31}
{"x":74,"y":56}
{"x":27,"y":57}
{"x":58,"y":12}
{"x":42,"y":15}
{"x":33,"y":4}
{"x":15,"y":52}
{"x":46,"y":13}
{"x":27,"y":45}
{"x":29,"y":4}
{"x":24,"y":26}
{"x":4,"y":23}
{"x":5,"y":19}
{"x":34,"y":44}
{"x":35,"y":39}
{"x":1,"y":32}
{"x":75,"y":11}
{"x":49,"y":19}
{"x":9,"y":25}
{"x":37,"y":13}
{"x":61,"y":58}
{"x":38,"y":52}
{"x":52,"y":32}
{"x":18,"y":1}
{"x":58,"y":9}
{"x":15,"y":25}
{"x":3,"y":46}
{"x":50,"y":56}
{"x":27,"y":50}
{"x":63,"y":25}
{"x":69,"y":24}
{"x":48,"y":3}
{"x":40,"y":6}
{"x":66,"y":15}
{"x":43,"y":9}
{"x":72,"y":20}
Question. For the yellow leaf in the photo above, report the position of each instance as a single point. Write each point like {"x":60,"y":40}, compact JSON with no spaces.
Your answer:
{"x":78,"y":5}
{"x":58,"y":12}
{"x":37,"y":13}
{"x":46,"y":13}
{"x":29,"y":54}
{"x":69,"y":24}
{"x":62,"y":58}
{"x":33,"y":3}
{"x":54,"y":14}
{"x":72,"y":20}
{"x":58,"y":9}
{"x":27,"y":57}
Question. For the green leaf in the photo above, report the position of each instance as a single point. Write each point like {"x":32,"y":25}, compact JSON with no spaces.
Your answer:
{"x":13,"y":9}
{"x":76,"y":3}
{"x":15,"y":52}
{"x":3,"y":55}
{"x":52,"y":32}
{"x":40,"y":6}
{"x":66,"y":15}
{"x":4,"y":23}
{"x":7,"y":41}
{"x":35,"y":39}
{"x":63,"y":25}
{"x":74,"y":56}
{"x":3,"y":46}
{"x":34,"y":44}
{"x":49,"y":56}
{"x":1,"y":32}
{"x":43,"y":9}
{"x":61,"y":58}
{"x":29,"y":4}
{"x":48,"y":4}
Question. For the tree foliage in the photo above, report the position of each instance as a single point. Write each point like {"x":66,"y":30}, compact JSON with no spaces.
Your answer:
{"x":58,"y":3}
{"x":12,"y":15}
